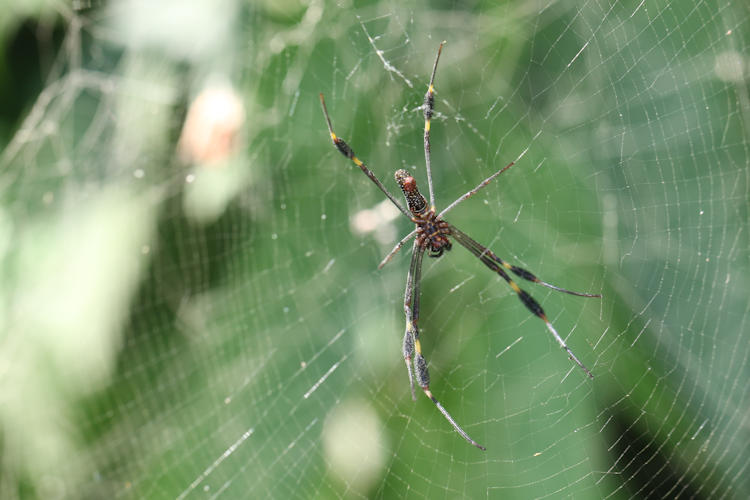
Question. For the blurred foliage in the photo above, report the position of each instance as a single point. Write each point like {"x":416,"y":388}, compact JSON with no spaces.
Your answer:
{"x":192,"y":313}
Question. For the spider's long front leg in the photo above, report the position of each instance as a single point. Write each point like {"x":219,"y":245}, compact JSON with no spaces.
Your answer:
{"x":498,"y":265}
{"x":411,"y":333}
{"x":482,"y":252}
{"x":412,"y":346}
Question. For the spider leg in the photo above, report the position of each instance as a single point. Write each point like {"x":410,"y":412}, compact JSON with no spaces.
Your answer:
{"x":497,"y":264}
{"x":474,"y":191}
{"x":395,"y":250}
{"x":518,"y":271}
{"x":428,"y":107}
{"x":411,"y":331}
{"x":527,"y":275}
{"x":345,"y":150}
{"x":412,"y":346}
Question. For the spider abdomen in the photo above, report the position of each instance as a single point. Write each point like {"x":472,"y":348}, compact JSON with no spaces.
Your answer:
{"x":414,"y":199}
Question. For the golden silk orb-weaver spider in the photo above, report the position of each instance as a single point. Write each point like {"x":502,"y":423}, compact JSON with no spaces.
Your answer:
{"x":432,"y":233}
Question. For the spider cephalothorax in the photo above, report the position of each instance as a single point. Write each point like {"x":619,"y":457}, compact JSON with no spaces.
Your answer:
{"x":432,"y":233}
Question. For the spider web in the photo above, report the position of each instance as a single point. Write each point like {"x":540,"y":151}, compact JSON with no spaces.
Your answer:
{"x":192,"y":304}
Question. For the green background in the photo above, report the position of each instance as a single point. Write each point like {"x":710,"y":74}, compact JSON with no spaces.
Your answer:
{"x":193,"y":329}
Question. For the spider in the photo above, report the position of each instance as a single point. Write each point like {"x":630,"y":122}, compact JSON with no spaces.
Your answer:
{"x":432,"y":234}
